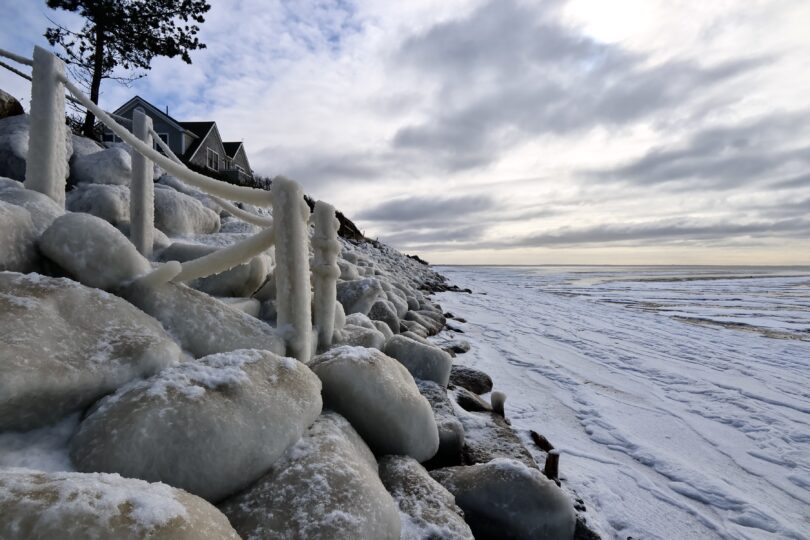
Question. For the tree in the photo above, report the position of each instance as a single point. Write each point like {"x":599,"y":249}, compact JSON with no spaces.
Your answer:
{"x":126,"y":33}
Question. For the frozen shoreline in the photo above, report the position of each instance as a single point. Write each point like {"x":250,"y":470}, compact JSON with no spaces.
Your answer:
{"x":667,"y":429}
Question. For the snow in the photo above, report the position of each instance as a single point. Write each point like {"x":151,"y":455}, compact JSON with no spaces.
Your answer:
{"x":667,"y":426}
{"x":44,"y":449}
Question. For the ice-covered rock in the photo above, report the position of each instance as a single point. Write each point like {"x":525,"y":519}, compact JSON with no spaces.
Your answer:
{"x":82,"y":146}
{"x":210,"y":426}
{"x":426,"y":362}
{"x":359,"y":295}
{"x":42,"y":208}
{"x":325,"y":487}
{"x":14,"y":146}
{"x":348,"y":271}
{"x":76,"y":506}
{"x":18,"y":250}
{"x":380,"y":398}
{"x":384,"y":330}
{"x":110,"y":166}
{"x":428,"y":511}
{"x":451,"y":431}
{"x":413,"y":327}
{"x":178,"y":214}
{"x":488,"y":437}
{"x":385,"y":311}
{"x":473,"y":380}
{"x":430,"y":320}
{"x":64,"y":345}
{"x":251,"y":306}
{"x":9,"y":106}
{"x":92,"y":251}
{"x":359,"y":336}
{"x":397,"y":299}
{"x":106,"y":201}
{"x":176,"y":184}
{"x":241,"y":280}
{"x":505,"y":499}
{"x":202,"y":324}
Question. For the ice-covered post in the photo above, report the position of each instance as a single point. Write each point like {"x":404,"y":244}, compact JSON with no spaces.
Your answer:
{"x":46,"y":164}
{"x":325,"y":271}
{"x":290,"y":218}
{"x":142,"y":189}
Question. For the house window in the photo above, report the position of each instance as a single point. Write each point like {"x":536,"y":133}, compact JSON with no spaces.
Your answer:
{"x":213,"y":160}
{"x":164,"y":137}
{"x":228,"y":164}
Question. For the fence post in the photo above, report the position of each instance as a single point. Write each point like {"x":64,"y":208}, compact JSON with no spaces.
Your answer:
{"x":325,"y":271}
{"x":293,"y":295}
{"x":142,"y":188}
{"x":46,"y":163}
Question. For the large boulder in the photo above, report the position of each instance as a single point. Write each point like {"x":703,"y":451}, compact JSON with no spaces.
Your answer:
{"x":490,"y":437}
{"x":18,"y":250}
{"x":110,"y":166}
{"x":202,"y":324}
{"x":242,"y":280}
{"x":105,"y":201}
{"x":472,"y":379}
{"x":172,"y":182}
{"x":451,"y":431}
{"x":9,"y":106}
{"x":504,"y":499}
{"x":325,"y":487}
{"x":379,"y":397}
{"x":82,"y":146}
{"x":358,"y":336}
{"x":75,"y":506}
{"x":42,"y":208}
{"x":210,"y":426}
{"x":385,"y":311}
{"x":359,"y":295}
{"x":427,"y":509}
{"x":431,"y":320}
{"x":14,"y":146}
{"x":92,"y":251}
{"x":178,"y":214}
{"x":64,"y":345}
{"x":426,"y":362}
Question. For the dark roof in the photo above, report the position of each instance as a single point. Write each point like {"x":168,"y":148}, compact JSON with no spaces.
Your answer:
{"x":200,"y":129}
{"x":155,"y":110}
{"x":231,"y":148}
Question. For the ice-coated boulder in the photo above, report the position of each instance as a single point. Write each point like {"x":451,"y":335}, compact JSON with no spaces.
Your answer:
{"x":14,"y":146}
{"x":348,"y":271}
{"x":202,"y":324}
{"x":426,"y":362}
{"x":82,"y":146}
{"x":397,"y":299}
{"x":178,"y":214}
{"x":176,"y":184}
{"x":92,"y":251}
{"x":427,"y":509}
{"x":76,"y":506}
{"x":489,"y":437}
{"x":432,"y":321}
{"x":110,"y":166}
{"x":241,"y":280}
{"x":385,"y":311}
{"x":42,"y":208}
{"x":18,"y":249}
{"x":359,"y":336}
{"x":505,"y":499}
{"x":359,"y":295}
{"x":413,"y":327}
{"x":9,"y":106}
{"x":210,"y":426}
{"x":472,"y":379}
{"x":451,"y":432}
{"x":64,"y":345}
{"x":383,"y":329}
{"x":325,"y":487}
{"x":380,"y":398}
{"x":106,"y":201}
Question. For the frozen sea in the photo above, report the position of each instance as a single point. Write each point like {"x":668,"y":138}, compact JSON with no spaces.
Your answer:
{"x":679,"y":397}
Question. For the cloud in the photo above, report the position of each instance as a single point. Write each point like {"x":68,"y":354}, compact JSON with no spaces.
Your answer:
{"x":425,"y":208}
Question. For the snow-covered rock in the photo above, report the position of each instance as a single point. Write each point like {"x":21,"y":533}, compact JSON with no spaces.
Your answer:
{"x":14,"y":146}
{"x":385,"y":311}
{"x":397,"y":299}
{"x":451,"y":431}
{"x":92,"y":251}
{"x":506,"y":499}
{"x":210,"y":426}
{"x":202,"y":324}
{"x":348,"y":271}
{"x":176,"y":184}
{"x":82,"y":146}
{"x":42,"y":208}
{"x":64,"y":345}
{"x":106,"y":201}
{"x":430,"y":320}
{"x":241,"y":280}
{"x":359,"y":295}
{"x":426,"y":362}
{"x":380,"y":398}
{"x":18,"y":250}
{"x":359,"y":336}
{"x":488,"y":437}
{"x":472,"y":379}
{"x":110,"y":166}
{"x":325,"y":487}
{"x":384,"y":330}
{"x":178,"y":214}
{"x":76,"y":506}
{"x":427,"y":510}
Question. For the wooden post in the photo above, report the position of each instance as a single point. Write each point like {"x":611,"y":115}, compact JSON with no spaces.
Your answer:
{"x":552,"y":466}
{"x":47,"y":160}
{"x":142,"y":189}
{"x":325,"y":271}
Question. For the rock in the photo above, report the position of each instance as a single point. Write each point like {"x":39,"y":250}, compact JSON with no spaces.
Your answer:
{"x":159,"y":240}
{"x":473,"y":380}
{"x":105,"y":201}
{"x":413,"y":327}
{"x":92,"y":251}
{"x":384,"y":330}
{"x":379,"y":397}
{"x":242,"y":280}
{"x":416,"y":337}
{"x":82,"y":146}
{"x":348,"y":271}
{"x":109,"y":166}
{"x":384,"y":311}
{"x":251,"y":306}
{"x":358,"y":336}
{"x":425,"y":362}
{"x":75,"y":506}
{"x":176,"y":184}
{"x":504,"y":499}
{"x":359,"y":295}
{"x":64,"y":345}
{"x":9,"y":106}
{"x":433,"y":322}
{"x":451,"y":432}
{"x":14,"y":146}
{"x":427,"y":509}
{"x":470,"y":401}
{"x":18,"y":250}
{"x":210,"y":426}
{"x":202,"y":324}
{"x":358,"y":319}
{"x":42,"y":208}
{"x":178,"y":214}
{"x":488,"y":437}
{"x":458,"y":346}
{"x":324,"y":487}
{"x":397,"y":298}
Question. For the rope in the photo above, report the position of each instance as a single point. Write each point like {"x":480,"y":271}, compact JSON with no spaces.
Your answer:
{"x":16,"y":57}
{"x":226,"y":258}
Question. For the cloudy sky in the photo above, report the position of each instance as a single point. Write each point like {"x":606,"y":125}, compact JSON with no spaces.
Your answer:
{"x":508,"y":131}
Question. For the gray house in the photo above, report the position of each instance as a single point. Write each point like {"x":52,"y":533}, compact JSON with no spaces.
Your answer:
{"x":198,"y":144}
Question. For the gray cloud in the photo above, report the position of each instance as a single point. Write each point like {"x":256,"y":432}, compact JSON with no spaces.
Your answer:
{"x":428,"y":209}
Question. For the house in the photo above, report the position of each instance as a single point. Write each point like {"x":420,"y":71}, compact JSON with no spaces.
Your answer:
{"x":198,"y":144}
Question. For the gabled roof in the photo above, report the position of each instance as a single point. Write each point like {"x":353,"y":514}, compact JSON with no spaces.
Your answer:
{"x":201,"y":130}
{"x":152,"y":109}
{"x":231,"y":148}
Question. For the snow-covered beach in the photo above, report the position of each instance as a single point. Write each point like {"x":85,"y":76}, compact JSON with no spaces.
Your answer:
{"x":677,"y":396}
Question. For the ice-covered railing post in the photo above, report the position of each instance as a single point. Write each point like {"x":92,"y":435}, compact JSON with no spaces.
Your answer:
{"x":325,"y":271}
{"x":294,"y":312}
{"x":142,"y":189}
{"x":46,"y":166}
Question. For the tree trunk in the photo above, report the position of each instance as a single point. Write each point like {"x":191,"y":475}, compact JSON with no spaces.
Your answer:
{"x":95,"y":85}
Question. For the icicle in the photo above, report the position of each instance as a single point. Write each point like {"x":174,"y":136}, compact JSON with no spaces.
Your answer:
{"x":325,"y":271}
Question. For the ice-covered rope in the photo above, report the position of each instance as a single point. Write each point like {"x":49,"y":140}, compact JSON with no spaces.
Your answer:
{"x":226,"y":258}
{"x":16,"y":57}
{"x":28,"y":78}
{"x":258,"y":197}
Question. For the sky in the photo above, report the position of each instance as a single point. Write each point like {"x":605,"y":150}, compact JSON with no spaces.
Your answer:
{"x":508,"y":131}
